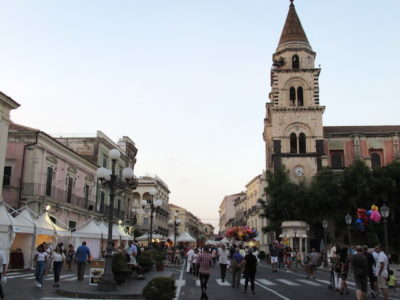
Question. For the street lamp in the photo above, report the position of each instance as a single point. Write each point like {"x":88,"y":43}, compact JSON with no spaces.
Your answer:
{"x":109,"y":179}
{"x":325,"y":226}
{"x":175,"y":222}
{"x":348,"y":220}
{"x":385,"y":214}
{"x":151,"y":206}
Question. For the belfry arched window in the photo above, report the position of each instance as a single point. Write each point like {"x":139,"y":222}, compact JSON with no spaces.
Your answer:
{"x":292,"y":96}
{"x":295,"y":62}
{"x":375,"y":160}
{"x":302,"y":143}
{"x":300,"y":101}
{"x":293,"y":143}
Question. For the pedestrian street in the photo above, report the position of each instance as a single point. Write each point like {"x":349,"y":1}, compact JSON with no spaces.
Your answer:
{"x":272,"y":286}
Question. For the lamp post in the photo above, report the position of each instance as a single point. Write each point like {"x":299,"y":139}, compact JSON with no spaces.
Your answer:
{"x":109,"y":179}
{"x":348,"y":220}
{"x":151,"y":206}
{"x":325,"y":226}
{"x":385,"y":214}
{"x":175,"y":222}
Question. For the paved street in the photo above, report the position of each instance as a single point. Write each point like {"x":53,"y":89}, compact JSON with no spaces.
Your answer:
{"x":272,"y":286}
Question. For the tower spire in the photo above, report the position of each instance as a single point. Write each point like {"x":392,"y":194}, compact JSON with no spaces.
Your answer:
{"x":293,"y":31}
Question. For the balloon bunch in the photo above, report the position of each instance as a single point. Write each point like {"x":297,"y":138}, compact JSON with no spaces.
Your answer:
{"x":364,"y":216}
{"x":241,"y":233}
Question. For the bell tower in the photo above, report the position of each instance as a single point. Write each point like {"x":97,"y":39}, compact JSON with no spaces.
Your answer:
{"x":293,"y":131}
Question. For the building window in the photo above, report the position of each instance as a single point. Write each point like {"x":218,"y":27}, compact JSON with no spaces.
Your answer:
{"x":70,"y":181}
{"x":295,"y":62}
{"x":86,"y":194}
{"x":7,"y":176}
{"x":145,"y":221}
{"x":337,"y":160}
{"x":300,"y":101}
{"x":376,"y":160}
{"x":49,"y":181}
{"x":302,"y":143}
{"x":72,"y":225}
{"x":292,"y":96}
{"x":293,"y":143}
{"x":105,"y":159}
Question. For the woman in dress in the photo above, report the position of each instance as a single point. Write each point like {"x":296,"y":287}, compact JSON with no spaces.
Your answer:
{"x":70,"y":256}
{"x":40,"y":260}
{"x":58,"y":259}
{"x":344,"y":270}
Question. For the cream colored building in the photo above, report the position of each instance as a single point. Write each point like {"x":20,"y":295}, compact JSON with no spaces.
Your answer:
{"x":161,"y":215}
{"x":6,"y":105}
{"x":227,"y":212}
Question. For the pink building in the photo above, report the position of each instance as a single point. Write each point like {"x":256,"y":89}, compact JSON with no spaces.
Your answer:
{"x":42,"y":173}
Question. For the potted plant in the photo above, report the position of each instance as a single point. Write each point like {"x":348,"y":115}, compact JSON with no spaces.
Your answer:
{"x":160,"y":288}
{"x":120,"y":267}
{"x":159,"y":262}
{"x":145,"y":260}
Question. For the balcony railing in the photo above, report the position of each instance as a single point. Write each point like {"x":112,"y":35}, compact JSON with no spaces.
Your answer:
{"x":54,"y":194}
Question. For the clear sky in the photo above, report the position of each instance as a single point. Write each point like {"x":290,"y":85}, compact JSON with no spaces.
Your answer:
{"x":188,"y":80}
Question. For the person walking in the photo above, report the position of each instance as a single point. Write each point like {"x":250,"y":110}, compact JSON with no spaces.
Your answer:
{"x":40,"y":259}
{"x":189,"y":258}
{"x":344,"y":270}
{"x":82,"y":257}
{"x":3,"y":271}
{"x":314,"y":259}
{"x":250,"y":266}
{"x":223,"y":256}
{"x":58,"y":260}
{"x":359,"y":263}
{"x":381,"y":271}
{"x":205,"y":262}
{"x":236,"y":265}
{"x":371,"y":273}
{"x":274,"y":258}
{"x":195,"y":263}
{"x":49,"y":250}
{"x":70,"y":256}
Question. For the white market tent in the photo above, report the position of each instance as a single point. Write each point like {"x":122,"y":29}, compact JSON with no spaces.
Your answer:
{"x":185,"y":238}
{"x":210,"y":242}
{"x":121,"y":231}
{"x":7,"y":233}
{"x":223,"y":241}
{"x":25,"y":236}
{"x":145,"y":237}
{"x":92,"y":235}
{"x":47,"y":231}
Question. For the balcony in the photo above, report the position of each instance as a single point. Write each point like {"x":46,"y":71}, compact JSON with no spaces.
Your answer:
{"x":54,"y":195}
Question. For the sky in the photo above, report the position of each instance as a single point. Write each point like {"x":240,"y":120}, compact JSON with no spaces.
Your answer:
{"x":188,"y":80}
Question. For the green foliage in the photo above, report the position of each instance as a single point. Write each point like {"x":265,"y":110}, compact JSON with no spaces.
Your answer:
{"x":160,"y":288}
{"x":145,"y":258}
{"x":331,"y":195}
{"x":119,"y":262}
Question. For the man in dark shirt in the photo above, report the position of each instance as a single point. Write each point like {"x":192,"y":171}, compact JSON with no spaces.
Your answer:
{"x":371,"y":275}
{"x":82,"y":257}
{"x":274,"y":258}
{"x":250,"y":267}
{"x":360,"y":267}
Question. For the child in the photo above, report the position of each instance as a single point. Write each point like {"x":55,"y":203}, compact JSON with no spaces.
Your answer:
{"x":391,"y":280}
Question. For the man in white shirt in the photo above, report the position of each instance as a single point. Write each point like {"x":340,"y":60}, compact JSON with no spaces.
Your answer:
{"x":223,"y":255}
{"x":3,"y":270}
{"x":381,"y":271}
{"x":189,"y":258}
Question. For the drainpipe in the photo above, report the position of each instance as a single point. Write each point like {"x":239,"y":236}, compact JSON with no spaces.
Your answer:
{"x":23,"y":167}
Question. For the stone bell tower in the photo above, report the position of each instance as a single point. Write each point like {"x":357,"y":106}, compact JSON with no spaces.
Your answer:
{"x":293,"y":131}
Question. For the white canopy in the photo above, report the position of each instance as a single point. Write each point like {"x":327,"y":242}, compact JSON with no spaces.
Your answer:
{"x":185,"y":238}
{"x":24,"y":223}
{"x":91,"y":230}
{"x":223,"y":241}
{"x":7,"y":233}
{"x":44,"y":225}
{"x":104,"y":230}
{"x":210,"y":242}
{"x":122,"y":233}
{"x":145,"y":237}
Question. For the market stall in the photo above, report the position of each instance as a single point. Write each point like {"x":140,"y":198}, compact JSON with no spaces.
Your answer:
{"x":7,"y":233}
{"x":92,"y":235}
{"x":24,"y":242}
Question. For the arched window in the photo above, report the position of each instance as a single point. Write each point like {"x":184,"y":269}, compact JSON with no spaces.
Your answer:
{"x":295,"y":62}
{"x":375,"y":160}
{"x":302,"y":143}
{"x":293,"y":143}
{"x":292,"y":96}
{"x":300,"y":101}
{"x":336,"y":161}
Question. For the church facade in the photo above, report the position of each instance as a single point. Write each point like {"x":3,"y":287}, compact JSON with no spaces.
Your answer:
{"x":294,"y":134}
